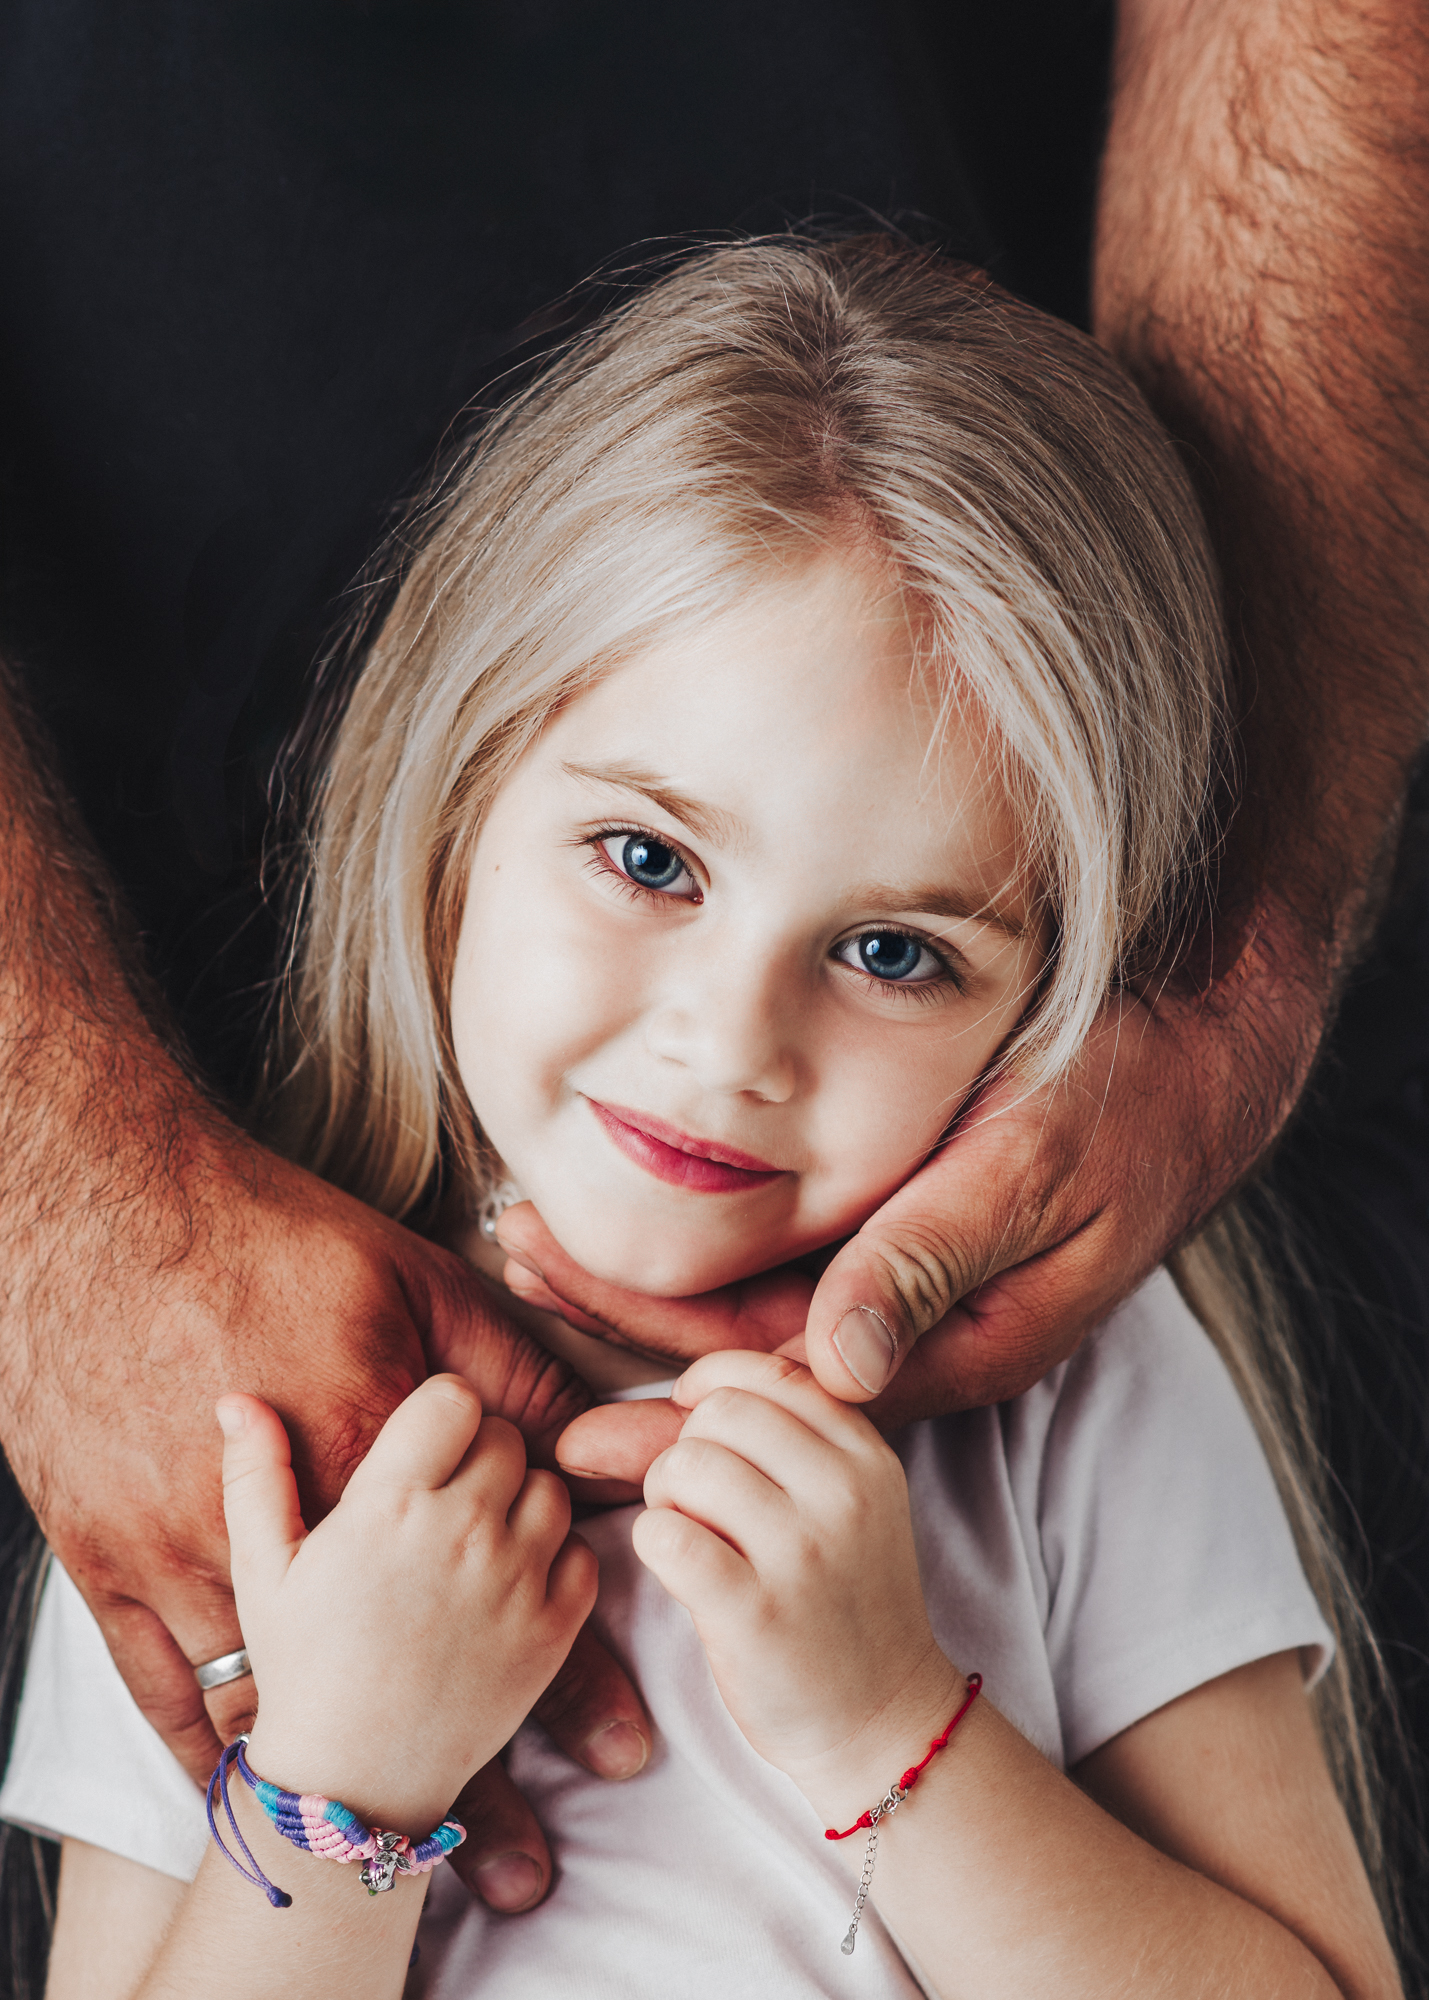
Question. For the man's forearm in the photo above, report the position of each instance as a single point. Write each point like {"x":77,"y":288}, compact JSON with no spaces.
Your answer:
{"x":1261,"y":269}
{"x":92,"y":1104}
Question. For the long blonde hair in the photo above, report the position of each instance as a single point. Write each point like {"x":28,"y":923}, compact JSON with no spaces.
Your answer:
{"x":759,"y":403}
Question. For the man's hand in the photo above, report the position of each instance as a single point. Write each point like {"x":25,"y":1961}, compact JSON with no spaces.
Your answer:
{"x":1019,"y":1235}
{"x":332,"y":1313}
{"x":155,"y":1257}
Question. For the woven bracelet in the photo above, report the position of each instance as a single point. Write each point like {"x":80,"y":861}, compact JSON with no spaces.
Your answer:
{"x":325,"y":1828}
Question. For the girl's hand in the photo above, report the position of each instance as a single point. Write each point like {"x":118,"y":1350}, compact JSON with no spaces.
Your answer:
{"x":780,"y":1521}
{"x":403,"y":1641}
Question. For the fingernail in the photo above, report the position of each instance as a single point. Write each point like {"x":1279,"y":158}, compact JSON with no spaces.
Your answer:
{"x":866,"y":1347}
{"x":232,"y":1418}
{"x":508,"y":1881}
{"x":617,"y":1751}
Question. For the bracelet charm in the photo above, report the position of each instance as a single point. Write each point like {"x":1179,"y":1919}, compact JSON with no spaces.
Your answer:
{"x":325,"y":1828}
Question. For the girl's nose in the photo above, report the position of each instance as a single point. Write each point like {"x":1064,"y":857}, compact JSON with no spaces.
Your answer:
{"x":732,"y":1034}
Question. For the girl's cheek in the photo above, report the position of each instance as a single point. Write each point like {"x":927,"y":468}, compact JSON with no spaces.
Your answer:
{"x":563,"y":986}
{"x":880,"y":1112}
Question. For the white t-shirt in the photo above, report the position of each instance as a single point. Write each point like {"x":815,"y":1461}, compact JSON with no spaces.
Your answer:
{"x":1094,"y":1548}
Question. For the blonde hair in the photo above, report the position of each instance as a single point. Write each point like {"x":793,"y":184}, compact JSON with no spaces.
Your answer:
{"x":759,"y":404}
{"x":1228,"y":1277}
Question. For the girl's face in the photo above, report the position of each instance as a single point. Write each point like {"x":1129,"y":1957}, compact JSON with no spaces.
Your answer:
{"x":736,"y":943}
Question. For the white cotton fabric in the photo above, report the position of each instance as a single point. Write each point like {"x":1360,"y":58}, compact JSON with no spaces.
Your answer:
{"x":84,"y":1762}
{"x":1095,"y":1548}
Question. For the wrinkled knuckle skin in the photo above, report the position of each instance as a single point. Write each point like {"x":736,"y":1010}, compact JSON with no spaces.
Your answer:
{"x":541,"y":1397}
{"x":323,"y":1465}
{"x":917,"y":1270}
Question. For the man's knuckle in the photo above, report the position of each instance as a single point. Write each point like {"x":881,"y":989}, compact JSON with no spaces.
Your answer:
{"x":922,"y":1272}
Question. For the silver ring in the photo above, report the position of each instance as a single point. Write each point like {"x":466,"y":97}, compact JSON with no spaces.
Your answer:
{"x":227,"y":1667}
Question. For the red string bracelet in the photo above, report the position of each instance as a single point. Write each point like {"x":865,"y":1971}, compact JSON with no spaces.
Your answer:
{"x":890,"y":1802}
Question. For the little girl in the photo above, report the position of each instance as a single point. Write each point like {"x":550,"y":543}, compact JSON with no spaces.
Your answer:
{"x":804,"y":699}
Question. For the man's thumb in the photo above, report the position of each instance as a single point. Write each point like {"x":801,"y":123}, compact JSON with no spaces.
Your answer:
{"x":898,"y":1277}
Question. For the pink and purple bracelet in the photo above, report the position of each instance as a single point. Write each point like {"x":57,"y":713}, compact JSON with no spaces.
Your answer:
{"x":324,"y":1827}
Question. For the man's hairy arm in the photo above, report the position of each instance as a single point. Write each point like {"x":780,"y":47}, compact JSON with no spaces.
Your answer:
{"x":1261,"y":268}
{"x":155,"y":1257}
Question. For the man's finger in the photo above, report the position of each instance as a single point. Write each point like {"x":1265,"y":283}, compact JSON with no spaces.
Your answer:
{"x":759,"y":1312}
{"x":978,"y":1206}
{"x":233,"y":1708}
{"x":534,"y":1291}
{"x":504,"y":1859}
{"x":161,"y":1681}
{"x":592,"y":1711}
{"x":513,"y":1375}
{"x":1009,"y":1332}
{"x":612,"y":1447}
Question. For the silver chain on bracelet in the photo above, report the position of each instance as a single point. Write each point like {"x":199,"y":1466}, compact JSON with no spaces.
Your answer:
{"x":890,"y":1802}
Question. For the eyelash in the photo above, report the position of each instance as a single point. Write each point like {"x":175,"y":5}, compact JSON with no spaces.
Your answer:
{"x":926,"y":992}
{"x":601,"y":864}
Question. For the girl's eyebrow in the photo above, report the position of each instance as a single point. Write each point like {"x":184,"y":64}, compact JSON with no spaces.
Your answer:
{"x":879,"y":899}
{"x":705,"y":822}
{"x":873,"y":899}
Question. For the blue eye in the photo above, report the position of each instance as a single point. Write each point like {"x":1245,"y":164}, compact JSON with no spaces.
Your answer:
{"x":890,"y":955}
{"x":651,"y":864}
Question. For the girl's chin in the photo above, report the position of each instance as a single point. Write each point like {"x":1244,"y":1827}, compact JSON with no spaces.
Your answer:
{"x":661,"y":1269}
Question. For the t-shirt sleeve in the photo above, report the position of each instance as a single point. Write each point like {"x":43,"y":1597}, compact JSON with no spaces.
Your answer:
{"x":1168,"y":1556}
{"x":84,"y":1764}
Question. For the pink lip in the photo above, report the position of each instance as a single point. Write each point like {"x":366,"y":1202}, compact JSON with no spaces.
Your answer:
{"x":674,"y":1156}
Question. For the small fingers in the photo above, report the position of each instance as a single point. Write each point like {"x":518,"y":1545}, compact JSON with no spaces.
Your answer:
{"x":710,"y":1484}
{"x":572,"y":1582}
{"x":777,"y":1379}
{"x":775,"y":1441}
{"x":696,"y":1566}
{"x":260,"y":1494}
{"x":425,"y":1439}
{"x":493,"y":1473}
{"x":540,"y":1515}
